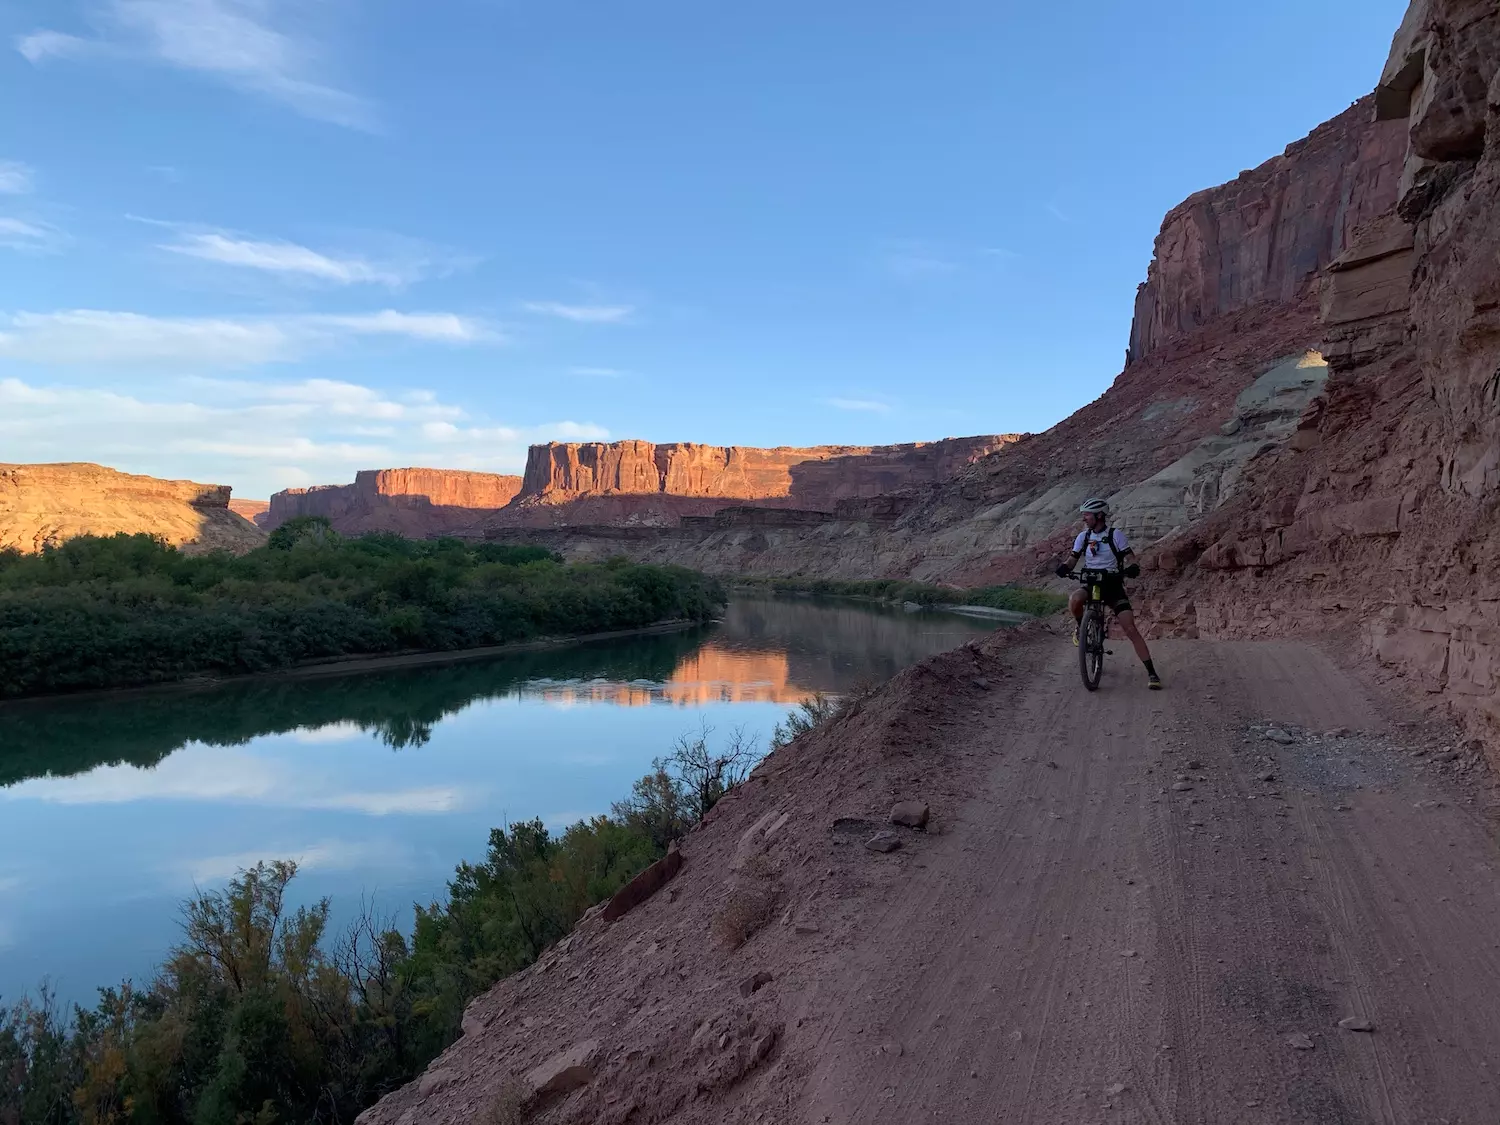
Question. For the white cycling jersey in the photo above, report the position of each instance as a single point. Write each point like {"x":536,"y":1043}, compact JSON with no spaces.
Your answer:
{"x":1095,"y":550}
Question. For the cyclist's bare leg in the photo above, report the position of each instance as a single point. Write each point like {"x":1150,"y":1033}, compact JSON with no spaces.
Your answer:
{"x":1127,"y":626}
{"x":1075,"y":603}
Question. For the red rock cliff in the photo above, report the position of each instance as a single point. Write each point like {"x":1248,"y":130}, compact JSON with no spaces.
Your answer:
{"x":1384,"y":517}
{"x":816,"y":478}
{"x":256,"y":511}
{"x":1265,"y":236}
{"x":46,"y":505}
{"x":414,"y":502}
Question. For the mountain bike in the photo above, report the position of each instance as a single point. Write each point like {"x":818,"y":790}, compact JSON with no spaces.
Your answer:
{"x":1093,"y":628}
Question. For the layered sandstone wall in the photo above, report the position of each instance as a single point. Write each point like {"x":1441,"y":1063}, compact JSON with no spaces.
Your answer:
{"x":46,"y":505}
{"x":256,"y":511}
{"x":1265,"y":237}
{"x":1385,"y":519}
{"x":817,"y":477}
{"x":415,"y":502}
{"x":627,"y":483}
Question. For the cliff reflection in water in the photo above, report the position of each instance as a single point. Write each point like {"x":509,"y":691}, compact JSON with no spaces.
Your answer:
{"x":113,"y":809}
{"x":765,"y":650}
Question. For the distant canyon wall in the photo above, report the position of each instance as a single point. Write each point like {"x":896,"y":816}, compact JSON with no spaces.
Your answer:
{"x":627,"y":483}
{"x":46,"y":505}
{"x":256,"y":511}
{"x":413,"y":502}
{"x":570,"y":484}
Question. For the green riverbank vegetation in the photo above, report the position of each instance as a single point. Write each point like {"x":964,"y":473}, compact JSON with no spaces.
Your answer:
{"x":261,"y":1016}
{"x":1019,"y":599}
{"x":128,"y":610}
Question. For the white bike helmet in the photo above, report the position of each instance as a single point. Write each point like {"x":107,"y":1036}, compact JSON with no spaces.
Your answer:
{"x":1094,"y":506}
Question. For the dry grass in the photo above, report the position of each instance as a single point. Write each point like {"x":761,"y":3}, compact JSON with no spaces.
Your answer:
{"x":512,"y":1105}
{"x":749,"y":907}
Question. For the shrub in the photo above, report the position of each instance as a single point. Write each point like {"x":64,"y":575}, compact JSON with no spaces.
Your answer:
{"x":746,"y":911}
{"x":253,"y":1019}
{"x":1020,"y":599}
{"x":128,"y":610}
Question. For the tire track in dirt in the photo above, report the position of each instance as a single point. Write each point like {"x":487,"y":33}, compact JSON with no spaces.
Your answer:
{"x":1087,"y":943}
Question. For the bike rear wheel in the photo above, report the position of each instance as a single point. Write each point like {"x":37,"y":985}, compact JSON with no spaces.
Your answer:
{"x":1091,"y":646}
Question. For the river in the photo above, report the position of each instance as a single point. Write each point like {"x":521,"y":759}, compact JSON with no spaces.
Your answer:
{"x":113,"y":809}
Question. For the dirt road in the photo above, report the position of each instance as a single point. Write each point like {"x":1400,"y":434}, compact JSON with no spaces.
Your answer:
{"x":1152,"y":912}
{"x":1131,"y":907}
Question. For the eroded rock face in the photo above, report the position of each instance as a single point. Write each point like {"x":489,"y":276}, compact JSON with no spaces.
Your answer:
{"x":627,"y":484}
{"x":1265,"y":237}
{"x":415,"y":502}
{"x":1385,"y":519}
{"x":46,"y":505}
{"x":1231,"y":304}
{"x":256,"y":511}
{"x":638,"y":482}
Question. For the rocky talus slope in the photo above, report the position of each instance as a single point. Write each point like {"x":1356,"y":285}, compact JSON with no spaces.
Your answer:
{"x":1382,"y":517}
{"x":45,"y":505}
{"x":415,"y":502}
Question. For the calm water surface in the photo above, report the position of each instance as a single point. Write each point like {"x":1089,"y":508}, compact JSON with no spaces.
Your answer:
{"x":111,"y":811}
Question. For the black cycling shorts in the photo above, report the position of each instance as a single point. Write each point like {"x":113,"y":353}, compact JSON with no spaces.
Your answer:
{"x":1113,"y":591}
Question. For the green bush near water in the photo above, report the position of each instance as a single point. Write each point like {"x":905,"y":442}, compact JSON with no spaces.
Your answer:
{"x":261,"y":1017}
{"x":128,"y":610}
{"x":1021,"y":599}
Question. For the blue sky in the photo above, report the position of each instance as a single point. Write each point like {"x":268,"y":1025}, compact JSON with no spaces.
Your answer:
{"x":269,"y":242}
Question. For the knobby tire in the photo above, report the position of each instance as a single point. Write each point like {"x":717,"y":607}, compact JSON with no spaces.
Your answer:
{"x":1091,"y":646}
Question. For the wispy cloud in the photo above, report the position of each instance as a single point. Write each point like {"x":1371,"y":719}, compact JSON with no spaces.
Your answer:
{"x":389,"y":260}
{"x":40,"y":46}
{"x":106,"y":338}
{"x":582,"y":314}
{"x":915,"y":259}
{"x":18,"y":234}
{"x":202,"y":775}
{"x":333,"y":398}
{"x":866,"y":405}
{"x":1057,"y":213}
{"x":239,"y":42}
{"x":596,"y":372}
{"x":15,"y":178}
{"x":445,"y":327}
{"x":257,"y":435}
{"x":281,"y":258}
{"x":344,"y":731}
{"x":445,"y":433}
{"x":999,"y":252}
{"x":323,"y":855}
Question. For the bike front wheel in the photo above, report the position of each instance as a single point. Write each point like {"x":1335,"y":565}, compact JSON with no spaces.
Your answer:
{"x":1091,"y":646}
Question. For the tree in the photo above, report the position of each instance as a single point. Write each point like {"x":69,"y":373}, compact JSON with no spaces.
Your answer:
{"x":809,"y":714}
{"x":314,"y":530}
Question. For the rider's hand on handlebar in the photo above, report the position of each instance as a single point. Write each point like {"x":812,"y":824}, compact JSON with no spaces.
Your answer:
{"x":1133,"y":570}
{"x":1064,"y":570}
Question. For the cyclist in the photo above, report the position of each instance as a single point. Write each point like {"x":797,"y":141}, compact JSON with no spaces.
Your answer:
{"x":1109,"y":551}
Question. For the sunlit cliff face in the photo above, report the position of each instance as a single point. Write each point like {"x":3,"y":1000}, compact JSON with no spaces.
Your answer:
{"x":710,"y":675}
